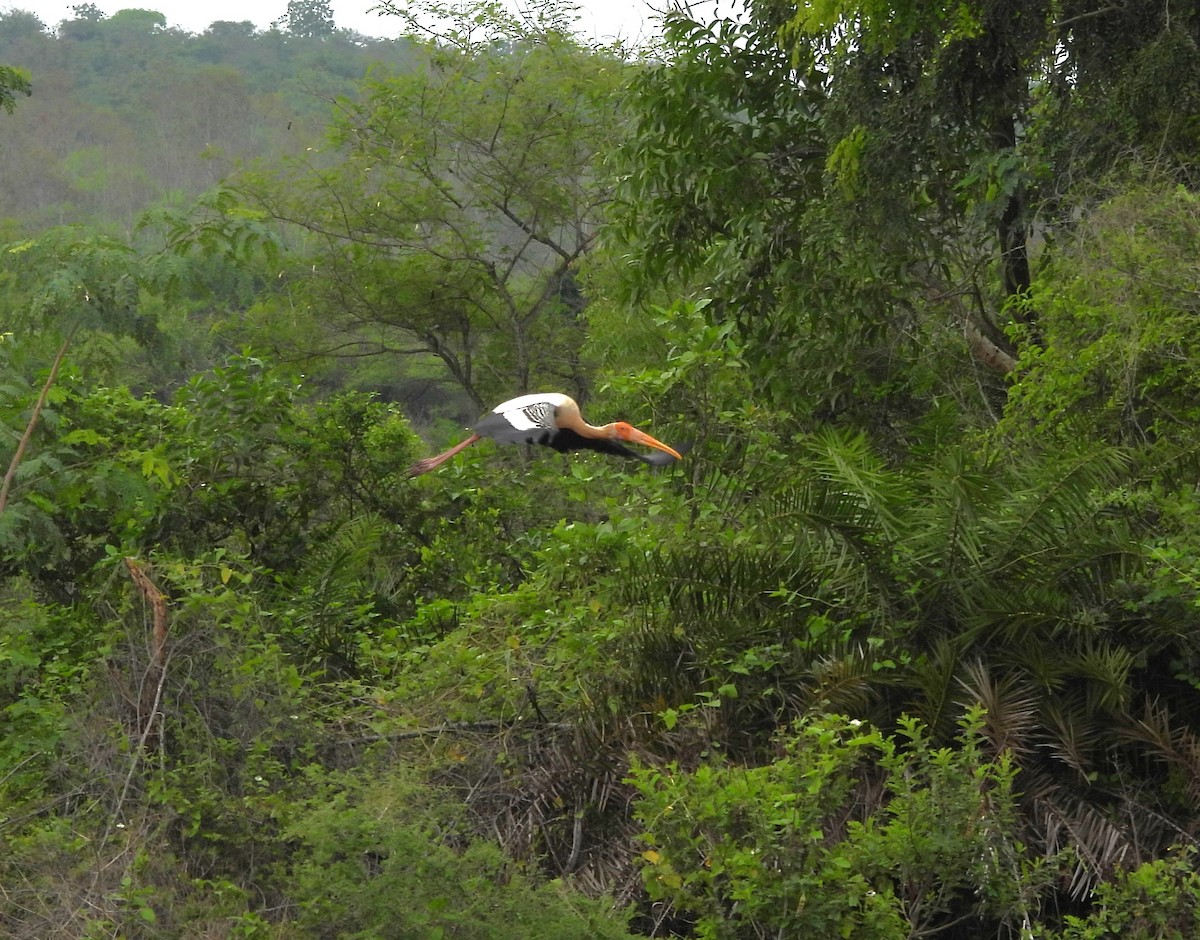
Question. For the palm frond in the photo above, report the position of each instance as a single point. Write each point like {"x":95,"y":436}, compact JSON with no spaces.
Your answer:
{"x":946,"y":531}
{"x":1098,"y":843}
{"x":933,"y":678}
{"x":1049,"y":509}
{"x":846,"y":462}
{"x":1106,"y":668}
{"x":1178,"y":746}
{"x":1070,"y":736}
{"x":1011,"y":705}
{"x":844,"y":683}
{"x":345,"y":556}
{"x":335,"y":583}
{"x":719,"y":584}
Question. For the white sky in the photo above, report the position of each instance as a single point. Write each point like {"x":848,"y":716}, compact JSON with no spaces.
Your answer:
{"x":599,"y":19}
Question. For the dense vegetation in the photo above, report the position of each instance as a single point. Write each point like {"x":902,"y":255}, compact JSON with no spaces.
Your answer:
{"x":908,"y":645}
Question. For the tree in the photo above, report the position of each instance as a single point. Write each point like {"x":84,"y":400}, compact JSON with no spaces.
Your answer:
{"x":967,"y":103}
{"x":1121,"y":87}
{"x":230,"y":30}
{"x":85,"y":26}
{"x":309,"y":19}
{"x":1034,"y":585}
{"x":726,"y":194}
{"x":13,"y":82}
{"x":459,"y":198}
{"x":17,"y":26}
{"x":21,"y":25}
{"x":80,"y":283}
{"x":1117,"y":307}
{"x":133,"y":22}
{"x":924,"y":141}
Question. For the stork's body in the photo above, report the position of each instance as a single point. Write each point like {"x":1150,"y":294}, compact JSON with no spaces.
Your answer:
{"x":553,"y":420}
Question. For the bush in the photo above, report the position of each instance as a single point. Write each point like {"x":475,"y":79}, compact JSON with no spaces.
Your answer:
{"x":389,"y":860}
{"x":1159,"y":900}
{"x":850,"y":833}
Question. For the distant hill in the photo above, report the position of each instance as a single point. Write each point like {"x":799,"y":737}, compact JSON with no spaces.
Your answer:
{"x":127,"y":114}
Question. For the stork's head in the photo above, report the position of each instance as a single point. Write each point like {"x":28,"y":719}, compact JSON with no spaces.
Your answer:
{"x":622,"y":431}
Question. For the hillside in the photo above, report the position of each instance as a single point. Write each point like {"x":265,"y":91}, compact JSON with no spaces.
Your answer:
{"x":127,"y":114}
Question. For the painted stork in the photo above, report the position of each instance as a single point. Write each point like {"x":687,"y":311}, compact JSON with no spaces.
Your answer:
{"x":554,"y":420}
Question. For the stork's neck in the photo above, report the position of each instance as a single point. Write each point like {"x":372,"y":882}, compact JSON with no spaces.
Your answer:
{"x":569,"y":417}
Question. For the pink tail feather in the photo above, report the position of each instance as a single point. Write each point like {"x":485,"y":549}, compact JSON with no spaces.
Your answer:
{"x":432,"y":463}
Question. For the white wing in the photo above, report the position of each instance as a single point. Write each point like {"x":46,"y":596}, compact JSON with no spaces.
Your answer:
{"x":524,"y":419}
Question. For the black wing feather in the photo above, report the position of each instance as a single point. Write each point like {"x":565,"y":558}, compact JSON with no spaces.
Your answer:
{"x":498,"y":428}
{"x":564,"y":440}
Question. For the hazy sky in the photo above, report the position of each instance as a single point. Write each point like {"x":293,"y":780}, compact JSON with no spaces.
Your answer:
{"x":599,"y":19}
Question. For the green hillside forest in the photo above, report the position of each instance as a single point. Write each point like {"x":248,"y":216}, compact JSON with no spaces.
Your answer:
{"x":906,"y":645}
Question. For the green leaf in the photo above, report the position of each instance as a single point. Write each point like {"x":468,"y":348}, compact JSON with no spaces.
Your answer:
{"x":84,"y":436}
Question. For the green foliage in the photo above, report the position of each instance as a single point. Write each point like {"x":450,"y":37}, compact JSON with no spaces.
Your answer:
{"x":254,"y":681}
{"x":1020,"y":585}
{"x":391,"y":860}
{"x":849,"y":833}
{"x":1125,"y":94}
{"x":756,"y":614}
{"x":847,"y":183}
{"x":236,"y":462}
{"x":453,"y":205}
{"x":46,"y":661}
{"x":688,"y":359}
{"x":491,"y":651}
{"x":82,"y":280}
{"x":174,"y":813}
{"x":1159,"y":900}
{"x":130,"y":307}
{"x":739,"y":121}
{"x":1117,"y":306}
{"x":884,"y":24}
{"x":728,"y":190}
{"x":109,"y":85}
{"x":310,"y":19}
{"x":13,"y":82}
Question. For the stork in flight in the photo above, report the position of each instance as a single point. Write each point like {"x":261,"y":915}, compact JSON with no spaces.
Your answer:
{"x":554,"y":420}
